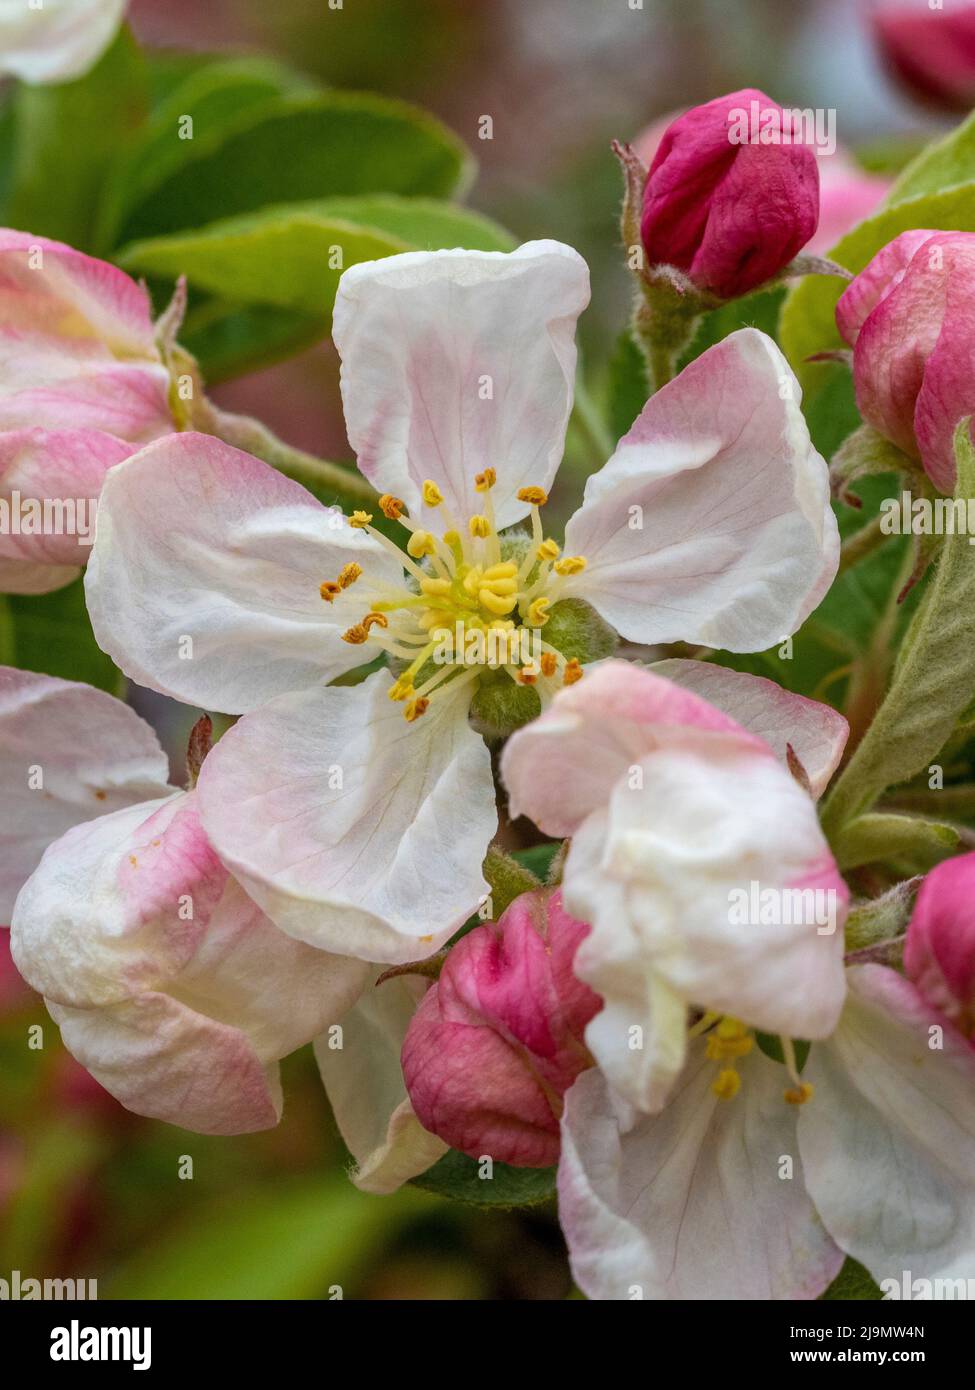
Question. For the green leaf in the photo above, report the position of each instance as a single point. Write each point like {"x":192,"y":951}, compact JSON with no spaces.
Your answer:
{"x":67,"y":135}
{"x":51,"y":633}
{"x":808,"y":324}
{"x":290,"y":1241}
{"x":885,"y":837}
{"x":228,"y":340}
{"x":538,"y":859}
{"x":853,"y":1283}
{"x":214,"y":97}
{"x":933,"y":681}
{"x":456,"y":1176}
{"x":293,"y":257}
{"x":943,"y":164}
{"x":300,"y":148}
{"x":628,"y":386}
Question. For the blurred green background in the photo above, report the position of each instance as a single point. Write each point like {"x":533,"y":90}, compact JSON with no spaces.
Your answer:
{"x":89,"y":1191}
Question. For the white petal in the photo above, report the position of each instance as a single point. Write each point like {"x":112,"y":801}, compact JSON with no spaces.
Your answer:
{"x":712,"y":522}
{"x":816,"y":732}
{"x":455,"y":361}
{"x":204,"y":577}
{"x":888,"y":1138}
{"x":691,"y":1204}
{"x":91,"y":753}
{"x":354,"y":830}
{"x":364,"y":1082}
{"x":57,"y":41}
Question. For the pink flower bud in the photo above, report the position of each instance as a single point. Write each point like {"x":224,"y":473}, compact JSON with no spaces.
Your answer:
{"x":732,"y":194}
{"x":908,"y":318}
{"x":939,"y":953}
{"x":930,"y":49}
{"x":498,"y":1040}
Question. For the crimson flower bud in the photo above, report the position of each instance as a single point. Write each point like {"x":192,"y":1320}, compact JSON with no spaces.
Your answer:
{"x":732,"y":194}
{"x":498,"y":1040}
{"x":931,"y":50}
{"x":939,"y":952}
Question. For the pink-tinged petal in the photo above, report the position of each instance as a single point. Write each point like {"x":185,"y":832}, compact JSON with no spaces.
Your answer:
{"x":68,"y":753}
{"x":816,"y":732}
{"x":51,"y":385}
{"x":162,"y":1059}
{"x":712,"y":521}
{"x":497,"y":1041}
{"x":939,"y":953}
{"x":888,"y":1137}
{"x":170,"y":985}
{"x":883,"y":274}
{"x":947,"y":393}
{"x":354,"y":830}
{"x":48,"y":288}
{"x":204,"y":580}
{"x":712,"y":872}
{"x":49,"y":486}
{"x":456,"y":361}
{"x":57,"y":41}
{"x":360,"y":1068}
{"x":691,"y":1204}
{"x":564,"y":765}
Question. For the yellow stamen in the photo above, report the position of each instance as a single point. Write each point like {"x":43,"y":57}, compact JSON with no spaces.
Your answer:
{"x":432,"y":495}
{"x":391,"y":507}
{"x":537,"y":612}
{"x":329,"y":589}
{"x":415,"y":708}
{"x":726,"y":1084}
{"x":421,"y":543}
{"x":535,"y":495}
{"x":798,"y":1095}
{"x":480,"y":527}
{"x":548,"y":550}
{"x":483,"y":482}
{"x":571,"y":564}
{"x":401,"y":689}
{"x":502,"y":604}
{"x":360,"y":520}
{"x":549,"y":663}
{"x":572,"y":672}
{"x":348,"y":574}
{"x":360,"y":632}
{"x":527,"y":675}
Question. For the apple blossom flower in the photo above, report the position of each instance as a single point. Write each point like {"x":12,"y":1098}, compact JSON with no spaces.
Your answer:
{"x":929,"y":48}
{"x":68,"y":753}
{"x":498,"y":1039}
{"x":751,"y":1198}
{"x":676,"y":809}
{"x":167,"y":982}
{"x":730,"y":213}
{"x":340,"y":817}
{"x":939,"y":951}
{"x":83,"y":387}
{"x":907,"y":316}
{"x":169,"y":985}
{"x":58,"y":40}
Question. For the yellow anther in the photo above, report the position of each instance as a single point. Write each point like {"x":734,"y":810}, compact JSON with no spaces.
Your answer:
{"x":360,"y":632}
{"x":501,"y":604}
{"x":421,"y":543}
{"x":479,"y":526}
{"x":572,"y":672}
{"x":401,"y":689}
{"x":415,"y":708}
{"x":329,"y":590}
{"x":432,"y":495}
{"x":798,"y":1095}
{"x":360,"y":520}
{"x":451,"y":538}
{"x":376,"y":619}
{"x":538,"y":611}
{"x":571,"y":564}
{"x":435,"y":588}
{"x":721,"y":1049}
{"x":548,"y":664}
{"x":483,"y":482}
{"x":348,"y":574}
{"x":548,"y":550}
{"x":729,"y":1027}
{"x":535,"y":495}
{"x":505,"y":569}
{"x":391,"y":507}
{"x":726,"y":1084}
{"x":528,"y":675}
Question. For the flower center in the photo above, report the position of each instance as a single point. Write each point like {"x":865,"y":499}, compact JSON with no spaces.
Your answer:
{"x":727,"y":1040}
{"x":471,"y":607}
